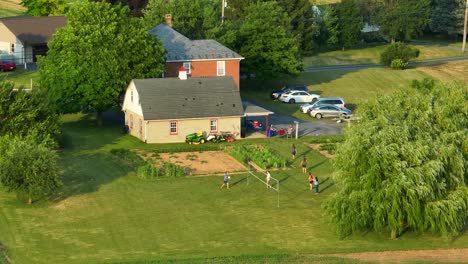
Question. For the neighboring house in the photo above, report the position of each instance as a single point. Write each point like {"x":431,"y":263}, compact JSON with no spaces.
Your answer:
{"x":165,"y":110}
{"x":26,"y":37}
{"x":201,"y":58}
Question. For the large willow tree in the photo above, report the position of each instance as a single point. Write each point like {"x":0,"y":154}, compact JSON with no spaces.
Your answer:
{"x":404,"y":165}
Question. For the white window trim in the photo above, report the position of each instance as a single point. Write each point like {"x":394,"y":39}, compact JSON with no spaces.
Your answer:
{"x":216,"y":125}
{"x":176,"y":127}
{"x":188,"y":67}
{"x":221,"y":65}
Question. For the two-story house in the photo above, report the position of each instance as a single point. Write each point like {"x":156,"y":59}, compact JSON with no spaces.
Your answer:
{"x":23,"y":38}
{"x":200,"y":58}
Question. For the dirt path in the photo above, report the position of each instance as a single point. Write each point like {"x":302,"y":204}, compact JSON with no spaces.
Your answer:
{"x":459,"y":255}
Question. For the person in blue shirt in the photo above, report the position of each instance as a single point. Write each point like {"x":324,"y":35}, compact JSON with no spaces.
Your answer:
{"x":226,"y":180}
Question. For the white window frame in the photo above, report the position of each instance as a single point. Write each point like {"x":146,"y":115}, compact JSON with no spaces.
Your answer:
{"x":221,"y":68}
{"x":188,"y":67}
{"x":173,"y":125}
{"x":214,"y":124}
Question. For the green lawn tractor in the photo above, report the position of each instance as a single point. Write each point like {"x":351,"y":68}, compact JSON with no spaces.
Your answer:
{"x":195,"y":138}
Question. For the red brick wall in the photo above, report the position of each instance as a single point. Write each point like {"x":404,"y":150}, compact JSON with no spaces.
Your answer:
{"x":205,"y":68}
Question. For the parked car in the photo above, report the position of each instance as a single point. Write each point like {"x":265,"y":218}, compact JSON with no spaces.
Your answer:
{"x":6,"y":65}
{"x":338,"y":101}
{"x":297,"y":97}
{"x":329,"y":110}
{"x":298,"y":87}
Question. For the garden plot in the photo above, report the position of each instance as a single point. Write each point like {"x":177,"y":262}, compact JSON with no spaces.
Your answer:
{"x":206,"y":162}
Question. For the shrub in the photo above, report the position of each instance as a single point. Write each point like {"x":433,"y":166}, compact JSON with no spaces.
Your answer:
{"x":398,"y":50}
{"x":330,"y":148}
{"x":398,"y":64}
{"x":129,"y":156}
{"x":148,"y":171}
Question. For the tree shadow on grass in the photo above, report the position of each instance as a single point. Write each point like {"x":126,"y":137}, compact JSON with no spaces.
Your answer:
{"x":85,"y":165}
{"x":83,"y":132}
{"x":87,"y":172}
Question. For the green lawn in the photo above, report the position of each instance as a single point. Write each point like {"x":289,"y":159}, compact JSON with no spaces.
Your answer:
{"x":372,"y":55}
{"x":106,"y":214}
{"x":353,"y":86}
{"x":21,"y":77}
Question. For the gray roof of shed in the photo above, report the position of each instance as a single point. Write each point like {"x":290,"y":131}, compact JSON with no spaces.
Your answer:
{"x":181,"y":48}
{"x":202,"y":97}
{"x":34,"y":30}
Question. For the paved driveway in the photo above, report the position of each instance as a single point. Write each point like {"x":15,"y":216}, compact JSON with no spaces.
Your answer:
{"x":306,"y":128}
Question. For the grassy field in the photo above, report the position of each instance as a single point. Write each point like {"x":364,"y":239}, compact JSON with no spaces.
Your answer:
{"x":11,"y":8}
{"x":372,"y":55}
{"x":106,"y":214}
{"x":21,"y":77}
{"x":353,"y":86}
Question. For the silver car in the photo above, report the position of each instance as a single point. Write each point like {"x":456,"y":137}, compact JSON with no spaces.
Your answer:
{"x":328,"y":110}
{"x":338,"y":101}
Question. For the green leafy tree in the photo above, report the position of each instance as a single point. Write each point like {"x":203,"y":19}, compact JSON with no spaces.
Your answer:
{"x":447,"y":16}
{"x":403,"y":19}
{"x":303,"y":23}
{"x":350,"y":24}
{"x":266,"y":41}
{"x":192,"y":18}
{"x":45,"y":7}
{"x":93,"y":58}
{"x":28,"y":113}
{"x":28,"y":168}
{"x":328,"y":36}
{"x":398,"y":50}
{"x":404,"y":165}
{"x":136,"y":6}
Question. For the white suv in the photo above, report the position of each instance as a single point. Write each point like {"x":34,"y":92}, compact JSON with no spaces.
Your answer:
{"x":338,"y":101}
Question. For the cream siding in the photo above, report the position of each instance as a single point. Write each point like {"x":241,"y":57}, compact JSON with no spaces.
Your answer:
{"x":132,"y":108}
{"x":159,"y":131}
{"x":6,"y":35}
{"x":134,"y":120}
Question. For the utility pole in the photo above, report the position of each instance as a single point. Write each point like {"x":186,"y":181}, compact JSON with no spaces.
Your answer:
{"x":222,"y":10}
{"x":465,"y":26}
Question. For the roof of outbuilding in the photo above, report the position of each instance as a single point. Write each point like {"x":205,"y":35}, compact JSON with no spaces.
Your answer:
{"x":181,"y":48}
{"x":34,"y":30}
{"x":201,"y":97}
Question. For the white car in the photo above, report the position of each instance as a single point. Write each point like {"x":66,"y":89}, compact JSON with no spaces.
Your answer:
{"x":298,"y":97}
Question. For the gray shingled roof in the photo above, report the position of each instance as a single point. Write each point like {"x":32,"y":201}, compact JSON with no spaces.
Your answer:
{"x":181,"y":48}
{"x":34,"y":30}
{"x":172,"y":98}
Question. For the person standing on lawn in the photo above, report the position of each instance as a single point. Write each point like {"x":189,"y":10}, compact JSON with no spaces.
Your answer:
{"x":293,"y":151}
{"x":226,"y":180}
{"x":290,"y":131}
{"x":304,"y":165}
{"x":316,"y":183}
{"x":268,"y":178}
{"x":311,"y":180}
